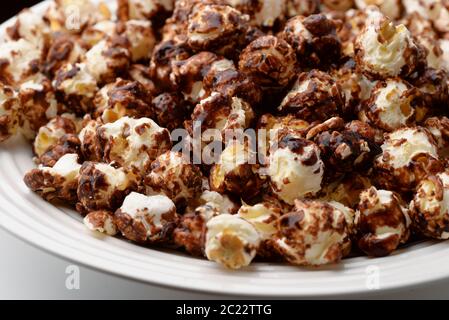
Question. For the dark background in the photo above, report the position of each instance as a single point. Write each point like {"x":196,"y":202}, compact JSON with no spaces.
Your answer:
{"x":9,"y":8}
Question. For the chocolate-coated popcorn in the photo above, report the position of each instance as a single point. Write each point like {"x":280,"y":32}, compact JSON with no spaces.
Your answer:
{"x":59,"y":182}
{"x":146,"y":219}
{"x":103,"y":187}
{"x":122,"y":98}
{"x":429,"y":208}
{"x":269,"y":60}
{"x":382,"y":222}
{"x":9,"y":112}
{"x":216,"y":28}
{"x":314,"y":38}
{"x":101,"y":221}
{"x":314,"y":233}
{"x":172,"y":174}
{"x":408,"y":155}
{"x":314,"y":96}
{"x":133,"y":143}
{"x":236,"y":171}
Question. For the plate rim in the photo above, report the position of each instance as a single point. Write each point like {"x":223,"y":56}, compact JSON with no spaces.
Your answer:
{"x":32,"y":236}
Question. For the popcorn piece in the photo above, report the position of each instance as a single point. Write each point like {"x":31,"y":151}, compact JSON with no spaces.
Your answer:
{"x":140,"y":38}
{"x":366,"y":131}
{"x":236,"y":171}
{"x":415,"y":6}
{"x":429,"y":207}
{"x":30,"y":27}
{"x":315,"y":96}
{"x":173,"y":175}
{"x":178,"y":22}
{"x":434,"y":52}
{"x":221,"y":202}
{"x":90,"y":144}
{"x":353,"y":24}
{"x":433,"y":92}
{"x":295,"y":168}
{"x":421,"y":28}
{"x":18,"y":60}
{"x":346,"y":190}
{"x":107,"y":59}
{"x":101,"y":30}
{"x":164,"y":54}
{"x":417,"y":23}
{"x":381,"y":221}
{"x":270,"y":61}
{"x":141,"y":73}
{"x":68,"y":143}
{"x":101,"y":221}
{"x":171,"y":110}
{"x":9,"y":116}
{"x":439,"y":128}
{"x":221,"y":112}
{"x":122,"y":98}
{"x":187,"y":75}
{"x":231,"y":241}
{"x":103,"y":187}
{"x":391,"y":104}
{"x":270,"y":126}
{"x":216,"y":28}
{"x":224,"y":78}
{"x":384,"y":50}
{"x":75,"y":87}
{"x":57,"y":182}
{"x":146,"y":219}
{"x":263,"y":216}
{"x":191,"y":231}
{"x":314,"y":39}
{"x":354,"y":87}
{"x":409,"y":154}
{"x":344,"y":151}
{"x":391,"y":8}
{"x":438,"y":12}
{"x":315,"y":233}
{"x":38,"y":104}
{"x":49,"y":135}
{"x":264,"y":13}
{"x":133,"y":143}
{"x":64,"y":49}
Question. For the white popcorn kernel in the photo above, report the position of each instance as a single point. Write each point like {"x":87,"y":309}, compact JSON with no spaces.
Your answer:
{"x":231,"y":241}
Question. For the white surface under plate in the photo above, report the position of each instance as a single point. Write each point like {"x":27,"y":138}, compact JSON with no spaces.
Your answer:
{"x":60,"y":231}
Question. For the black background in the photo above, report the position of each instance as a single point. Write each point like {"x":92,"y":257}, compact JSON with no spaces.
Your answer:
{"x":9,"y":8}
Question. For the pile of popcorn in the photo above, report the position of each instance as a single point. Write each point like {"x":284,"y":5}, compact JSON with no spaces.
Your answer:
{"x":356,"y":92}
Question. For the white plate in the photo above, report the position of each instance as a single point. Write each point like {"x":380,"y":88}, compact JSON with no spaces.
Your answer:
{"x":61,"y":232}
